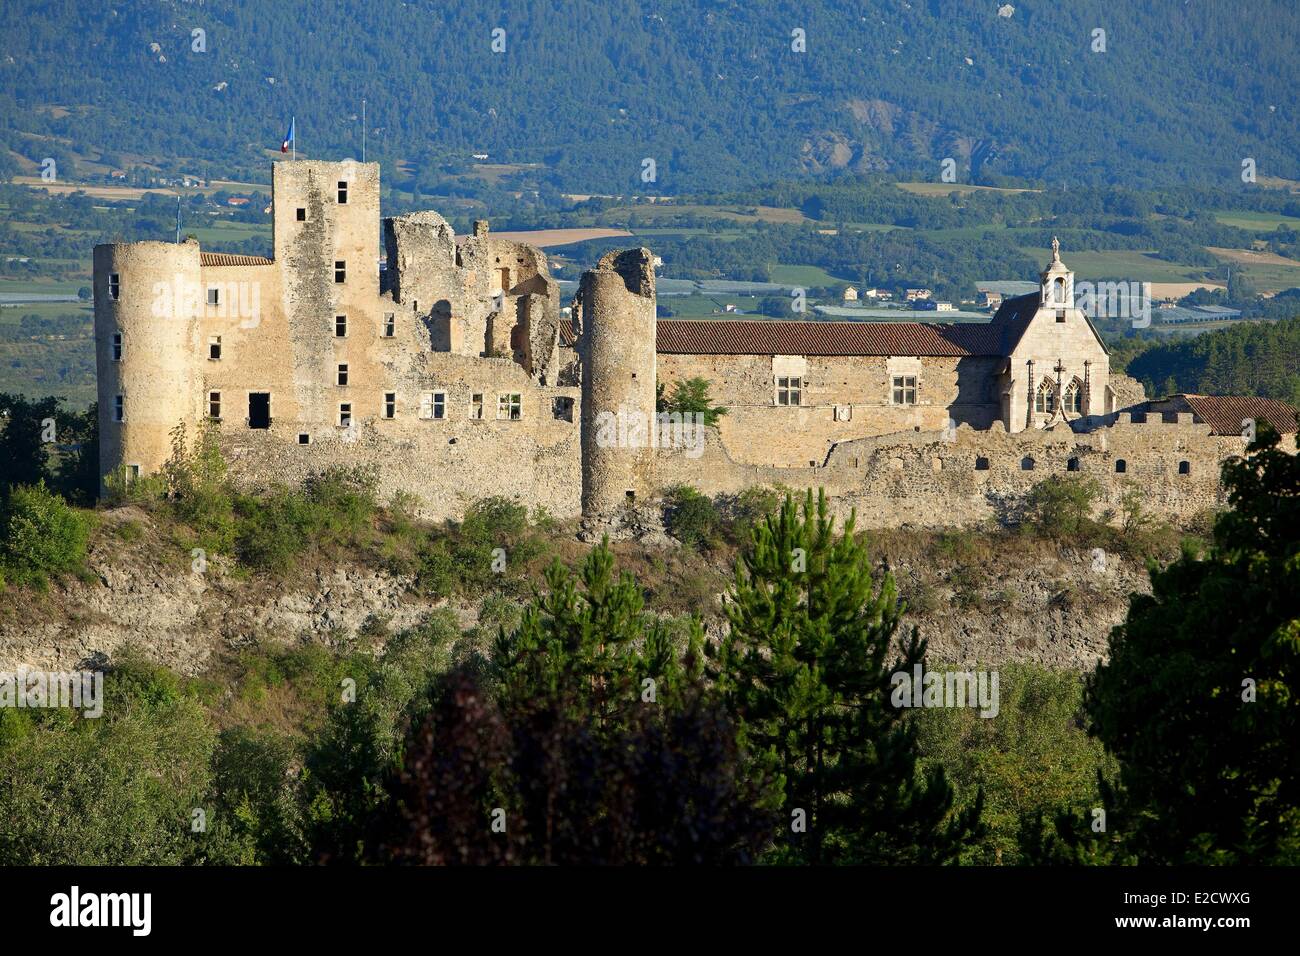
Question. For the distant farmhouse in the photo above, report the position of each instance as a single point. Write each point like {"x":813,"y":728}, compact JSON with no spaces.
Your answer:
{"x":456,"y":372}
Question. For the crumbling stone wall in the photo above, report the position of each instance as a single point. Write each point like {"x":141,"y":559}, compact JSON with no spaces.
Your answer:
{"x":967,"y":476}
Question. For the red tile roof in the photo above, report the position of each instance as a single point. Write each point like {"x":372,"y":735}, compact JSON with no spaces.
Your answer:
{"x":1225,"y":413}
{"x":230,"y":259}
{"x":750,"y":337}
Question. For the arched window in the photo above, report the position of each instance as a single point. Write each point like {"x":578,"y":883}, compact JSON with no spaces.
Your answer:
{"x":1121,"y":466}
{"x":1072,"y":400}
{"x":1058,"y":290}
{"x":1045,"y":399}
{"x":1184,"y":467}
{"x":1072,"y":465}
{"x":1026,"y":464}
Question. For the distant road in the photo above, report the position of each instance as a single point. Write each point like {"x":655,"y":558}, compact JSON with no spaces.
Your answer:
{"x":546,"y":238}
{"x":33,"y":298}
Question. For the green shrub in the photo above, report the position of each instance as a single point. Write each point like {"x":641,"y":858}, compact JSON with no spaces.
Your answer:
{"x":40,"y":535}
{"x":435,"y":571}
{"x":1061,"y":507}
{"x":272,"y":530}
{"x":342,"y":502}
{"x":691,"y":517}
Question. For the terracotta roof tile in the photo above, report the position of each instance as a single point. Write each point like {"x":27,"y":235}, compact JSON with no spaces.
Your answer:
{"x":1225,"y":413}
{"x":230,"y":259}
{"x":751,"y":337}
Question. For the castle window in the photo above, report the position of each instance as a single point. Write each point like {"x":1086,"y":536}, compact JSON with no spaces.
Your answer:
{"x":114,"y":286}
{"x":562,"y":408}
{"x":1045,"y":398}
{"x":119,"y":409}
{"x":1072,"y":400}
{"x":1058,"y":291}
{"x":1184,"y":467}
{"x":302,"y":214}
{"x":390,"y":325}
{"x":509,"y":407}
{"x":117,"y":346}
{"x":476,"y":406}
{"x":304,"y":438}
{"x":390,"y":404}
{"x":904,"y":389}
{"x":1121,"y":466}
{"x":1072,"y":465}
{"x":214,"y":405}
{"x":1060,"y":315}
{"x":340,"y":326}
{"x":340,"y":270}
{"x":343,"y":374}
{"x":343,"y":193}
{"x":345,"y":414}
{"x":1026,"y":464}
{"x":433,"y":405}
{"x":214,"y":348}
{"x":133,"y":471}
{"x":259,"y":409}
{"x":789,"y":391}
{"x":981,"y":464}
{"x":214,"y":296}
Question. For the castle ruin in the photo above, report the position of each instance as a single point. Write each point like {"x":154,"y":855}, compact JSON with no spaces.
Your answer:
{"x":455,"y":373}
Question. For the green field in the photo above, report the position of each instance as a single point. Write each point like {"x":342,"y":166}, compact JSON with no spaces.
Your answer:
{"x":226,"y":231}
{"x":807,"y":276}
{"x":708,"y":306}
{"x":1261,"y":221}
{"x":44,"y":286}
{"x":1130,"y":264}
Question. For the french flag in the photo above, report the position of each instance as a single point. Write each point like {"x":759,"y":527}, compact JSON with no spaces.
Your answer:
{"x":288,"y":138}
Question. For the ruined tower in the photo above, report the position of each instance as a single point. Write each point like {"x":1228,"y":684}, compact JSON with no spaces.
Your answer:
{"x":148,"y":299}
{"x":615,"y":313}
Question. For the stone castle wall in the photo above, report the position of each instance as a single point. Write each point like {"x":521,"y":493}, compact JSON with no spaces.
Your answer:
{"x":445,"y":374}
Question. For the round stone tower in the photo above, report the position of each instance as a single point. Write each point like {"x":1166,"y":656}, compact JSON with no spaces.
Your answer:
{"x":615,"y":310}
{"x":148,"y":300}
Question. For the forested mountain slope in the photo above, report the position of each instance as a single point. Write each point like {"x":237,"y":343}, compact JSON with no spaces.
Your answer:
{"x":710,"y":89}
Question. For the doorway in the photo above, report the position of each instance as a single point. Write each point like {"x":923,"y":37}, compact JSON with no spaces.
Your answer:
{"x":259,"y":409}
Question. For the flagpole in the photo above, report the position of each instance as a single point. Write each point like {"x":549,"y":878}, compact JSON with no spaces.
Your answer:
{"x":293,"y":127}
{"x":363,"y":129}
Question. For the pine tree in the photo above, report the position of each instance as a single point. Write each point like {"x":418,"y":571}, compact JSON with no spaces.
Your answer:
{"x":806,"y":669}
{"x":1200,"y":697}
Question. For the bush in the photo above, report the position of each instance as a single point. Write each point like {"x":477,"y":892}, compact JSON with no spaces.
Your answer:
{"x":41,"y":535}
{"x":691,"y":517}
{"x":273,"y":529}
{"x":1061,"y":508}
{"x":690,"y":397}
